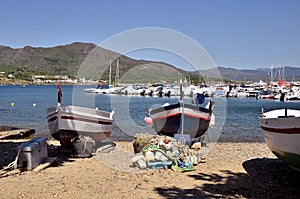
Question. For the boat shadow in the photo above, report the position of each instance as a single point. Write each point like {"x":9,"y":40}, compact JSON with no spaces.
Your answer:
{"x":8,"y":152}
{"x":264,"y":178}
{"x":69,"y":154}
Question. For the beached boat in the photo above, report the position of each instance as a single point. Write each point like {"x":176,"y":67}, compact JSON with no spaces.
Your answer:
{"x":67,"y":122}
{"x":189,"y":119}
{"x":167,"y":120}
{"x":281,"y":131}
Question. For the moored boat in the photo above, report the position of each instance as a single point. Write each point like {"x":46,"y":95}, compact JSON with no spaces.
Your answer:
{"x":281,"y":131}
{"x":67,"y":122}
{"x":91,"y":90}
{"x":266,"y":95}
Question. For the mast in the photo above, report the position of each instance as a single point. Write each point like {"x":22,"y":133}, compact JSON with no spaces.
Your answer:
{"x":109,"y":78}
{"x":117,"y":73}
{"x":272,"y":73}
{"x":181,"y":108}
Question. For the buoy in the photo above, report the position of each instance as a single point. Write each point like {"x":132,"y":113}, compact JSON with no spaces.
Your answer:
{"x":34,"y":104}
{"x":148,"y":120}
{"x":12,"y":104}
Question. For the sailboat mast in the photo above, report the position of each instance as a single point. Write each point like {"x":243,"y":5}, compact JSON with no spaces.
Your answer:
{"x":117,"y":72}
{"x":272,"y":74}
{"x":109,"y":78}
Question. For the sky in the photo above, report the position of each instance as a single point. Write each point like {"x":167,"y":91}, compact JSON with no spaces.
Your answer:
{"x":242,"y":34}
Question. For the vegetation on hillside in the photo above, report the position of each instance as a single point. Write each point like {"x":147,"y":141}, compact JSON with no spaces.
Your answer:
{"x":92,"y":62}
{"x":20,"y":72}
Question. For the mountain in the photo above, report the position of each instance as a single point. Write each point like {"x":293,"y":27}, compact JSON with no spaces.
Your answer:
{"x":287,"y":73}
{"x":91,"y":61}
{"x":233,"y":74}
{"x":56,"y":60}
{"x":83,"y":60}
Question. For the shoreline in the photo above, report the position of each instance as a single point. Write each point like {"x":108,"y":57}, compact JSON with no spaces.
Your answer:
{"x":232,"y":170}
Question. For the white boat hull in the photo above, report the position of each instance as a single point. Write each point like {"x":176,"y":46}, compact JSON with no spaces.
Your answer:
{"x":281,"y":131}
{"x":66,"y":122}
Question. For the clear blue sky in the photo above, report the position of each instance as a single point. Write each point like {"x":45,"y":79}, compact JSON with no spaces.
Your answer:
{"x":243,"y":34}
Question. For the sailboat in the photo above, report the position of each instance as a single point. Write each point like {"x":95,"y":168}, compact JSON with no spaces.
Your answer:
{"x":108,"y":88}
{"x":68,"y":122}
{"x":268,"y":93}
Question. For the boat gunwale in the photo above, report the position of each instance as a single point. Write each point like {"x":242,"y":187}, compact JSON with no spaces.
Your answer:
{"x":178,"y":105}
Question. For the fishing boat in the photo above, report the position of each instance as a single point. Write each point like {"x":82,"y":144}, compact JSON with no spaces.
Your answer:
{"x":281,"y":131}
{"x":68,"y":122}
{"x":187,"y":119}
{"x":167,"y":120}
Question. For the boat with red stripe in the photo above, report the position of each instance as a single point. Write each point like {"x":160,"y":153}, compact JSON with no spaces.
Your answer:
{"x":68,"y":122}
{"x":281,"y":131}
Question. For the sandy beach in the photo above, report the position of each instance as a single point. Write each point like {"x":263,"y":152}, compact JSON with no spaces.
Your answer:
{"x":231,"y":170}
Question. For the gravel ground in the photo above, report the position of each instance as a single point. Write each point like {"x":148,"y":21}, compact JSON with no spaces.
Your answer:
{"x":232,"y":170}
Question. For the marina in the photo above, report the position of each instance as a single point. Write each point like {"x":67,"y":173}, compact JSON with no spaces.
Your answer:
{"x":264,"y":90}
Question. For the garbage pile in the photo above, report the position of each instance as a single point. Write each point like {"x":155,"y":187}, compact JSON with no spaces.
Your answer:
{"x":164,"y":152}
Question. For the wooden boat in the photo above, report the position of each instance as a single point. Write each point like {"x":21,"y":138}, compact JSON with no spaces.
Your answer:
{"x":67,"y":122}
{"x":189,"y":119}
{"x":281,"y":131}
{"x":167,"y":120}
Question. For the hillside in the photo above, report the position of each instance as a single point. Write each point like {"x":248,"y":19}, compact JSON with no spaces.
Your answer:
{"x":63,"y":60}
{"x":83,"y":60}
{"x":92,"y":62}
{"x":289,"y":74}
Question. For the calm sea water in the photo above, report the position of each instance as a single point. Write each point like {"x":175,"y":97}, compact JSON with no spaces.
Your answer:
{"x":236,"y":119}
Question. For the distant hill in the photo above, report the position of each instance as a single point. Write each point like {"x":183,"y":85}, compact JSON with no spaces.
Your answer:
{"x":56,"y":60}
{"x":91,"y":61}
{"x":71,"y":59}
{"x":232,"y":74}
{"x":289,"y":74}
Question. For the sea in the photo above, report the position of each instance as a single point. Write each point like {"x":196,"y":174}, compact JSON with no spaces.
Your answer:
{"x":236,"y":119}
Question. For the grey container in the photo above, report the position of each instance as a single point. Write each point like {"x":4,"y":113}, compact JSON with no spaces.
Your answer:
{"x":32,"y":153}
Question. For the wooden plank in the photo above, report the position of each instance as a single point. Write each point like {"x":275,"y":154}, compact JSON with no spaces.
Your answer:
{"x":16,"y":134}
{"x":45,"y":164}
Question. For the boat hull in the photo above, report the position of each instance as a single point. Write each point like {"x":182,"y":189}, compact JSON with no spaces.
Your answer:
{"x":65,"y":123}
{"x":167,"y":120}
{"x":281,"y":131}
